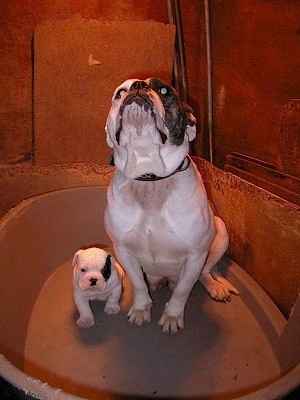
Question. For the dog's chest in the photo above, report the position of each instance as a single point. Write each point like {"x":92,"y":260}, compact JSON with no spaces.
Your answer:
{"x":152,"y":220}
{"x":93,"y":295}
{"x":148,"y":195}
{"x":160,"y":222}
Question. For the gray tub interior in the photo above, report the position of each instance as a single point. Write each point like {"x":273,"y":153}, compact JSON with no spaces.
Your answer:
{"x":244,"y":349}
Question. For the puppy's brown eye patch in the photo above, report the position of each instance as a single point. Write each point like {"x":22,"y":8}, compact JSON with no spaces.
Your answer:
{"x":83,"y":270}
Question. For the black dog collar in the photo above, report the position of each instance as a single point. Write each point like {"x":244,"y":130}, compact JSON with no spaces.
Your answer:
{"x":153,"y":177}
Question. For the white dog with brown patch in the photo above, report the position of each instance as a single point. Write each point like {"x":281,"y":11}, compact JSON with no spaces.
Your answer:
{"x":157,"y":215}
{"x":96,"y":276}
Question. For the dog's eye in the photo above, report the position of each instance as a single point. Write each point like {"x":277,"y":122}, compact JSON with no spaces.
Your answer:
{"x":83,"y":269}
{"x":120,"y":93}
{"x":163,"y":90}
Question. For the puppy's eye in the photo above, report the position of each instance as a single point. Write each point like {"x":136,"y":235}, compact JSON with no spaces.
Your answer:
{"x":120,"y":93}
{"x":83,"y":270}
{"x":163,"y":90}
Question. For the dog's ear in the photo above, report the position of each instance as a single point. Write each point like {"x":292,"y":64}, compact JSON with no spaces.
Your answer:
{"x":191,"y":122}
{"x":75,"y":258}
{"x":108,"y":139}
{"x":191,"y":132}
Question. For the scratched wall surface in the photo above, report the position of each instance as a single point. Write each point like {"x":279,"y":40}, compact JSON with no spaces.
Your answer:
{"x":78,"y":64}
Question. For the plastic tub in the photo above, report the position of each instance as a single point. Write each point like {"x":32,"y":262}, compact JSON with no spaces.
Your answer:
{"x":226,"y":351}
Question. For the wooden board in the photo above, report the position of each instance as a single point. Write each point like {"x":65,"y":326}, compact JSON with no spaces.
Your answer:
{"x":77,"y":65}
{"x":265,"y":175}
{"x":289,"y":143}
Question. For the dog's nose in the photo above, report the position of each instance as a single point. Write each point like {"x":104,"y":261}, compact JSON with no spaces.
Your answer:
{"x":93,"y":281}
{"x":137,"y":85}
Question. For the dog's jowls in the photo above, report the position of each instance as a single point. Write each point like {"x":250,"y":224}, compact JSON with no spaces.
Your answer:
{"x":157,"y":214}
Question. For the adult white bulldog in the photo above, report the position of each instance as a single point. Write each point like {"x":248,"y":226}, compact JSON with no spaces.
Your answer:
{"x":157,"y":215}
{"x":96,"y":276}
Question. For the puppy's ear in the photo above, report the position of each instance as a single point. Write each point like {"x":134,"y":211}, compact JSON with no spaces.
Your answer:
{"x":75,"y":258}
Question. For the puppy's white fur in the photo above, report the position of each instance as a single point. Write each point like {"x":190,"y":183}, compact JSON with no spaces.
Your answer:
{"x":162,"y":228}
{"x":89,"y":284}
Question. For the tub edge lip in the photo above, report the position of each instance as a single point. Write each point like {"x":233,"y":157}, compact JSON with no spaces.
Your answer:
{"x":34,"y":387}
{"x":29,"y":385}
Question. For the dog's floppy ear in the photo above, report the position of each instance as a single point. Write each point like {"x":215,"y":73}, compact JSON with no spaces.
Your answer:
{"x":108,"y":139}
{"x":191,"y":122}
{"x":75,"y":258}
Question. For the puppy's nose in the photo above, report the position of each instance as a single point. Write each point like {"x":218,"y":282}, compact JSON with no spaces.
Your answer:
{"x":137,"y":85}
{"x":93,"y":281}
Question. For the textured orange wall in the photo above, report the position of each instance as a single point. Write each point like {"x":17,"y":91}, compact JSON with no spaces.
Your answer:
{"x":72,"y":96}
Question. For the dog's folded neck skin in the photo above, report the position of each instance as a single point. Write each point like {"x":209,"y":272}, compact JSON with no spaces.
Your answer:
{"x":151,"y":177}
{"x":149,"y":129}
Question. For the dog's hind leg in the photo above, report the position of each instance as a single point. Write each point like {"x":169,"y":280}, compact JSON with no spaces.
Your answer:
{"x":213,"y":281}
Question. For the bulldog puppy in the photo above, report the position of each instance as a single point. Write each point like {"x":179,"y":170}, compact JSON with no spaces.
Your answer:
{"x":157,"y":214}
{"x":96,"y":276}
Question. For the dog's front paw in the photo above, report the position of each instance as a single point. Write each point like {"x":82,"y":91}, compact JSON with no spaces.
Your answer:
{"x":170,"y":324}
{"x":85,"y":322}
{"x":111,"y":308}
{"x":139,"y":316}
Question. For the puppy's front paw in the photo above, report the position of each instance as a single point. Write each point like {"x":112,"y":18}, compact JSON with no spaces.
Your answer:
{"x":111,"y":308}
{"x":170,"y":324}
{"x":85,"y":322}
{"x":139,"y":317}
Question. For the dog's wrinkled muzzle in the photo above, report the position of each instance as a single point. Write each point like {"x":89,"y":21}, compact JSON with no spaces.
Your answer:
{"x":139,"y":94}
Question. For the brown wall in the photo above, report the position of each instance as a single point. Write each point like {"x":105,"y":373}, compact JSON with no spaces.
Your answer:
{"x":255,"y":56}
{"x":256,"y":64}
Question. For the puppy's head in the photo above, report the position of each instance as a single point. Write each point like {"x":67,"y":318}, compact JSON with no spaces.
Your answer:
{"x":148,"y":127}
{"x":92,"y":268}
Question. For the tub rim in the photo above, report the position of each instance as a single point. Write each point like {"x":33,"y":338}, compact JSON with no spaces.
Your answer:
{"x":34,"y":387}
